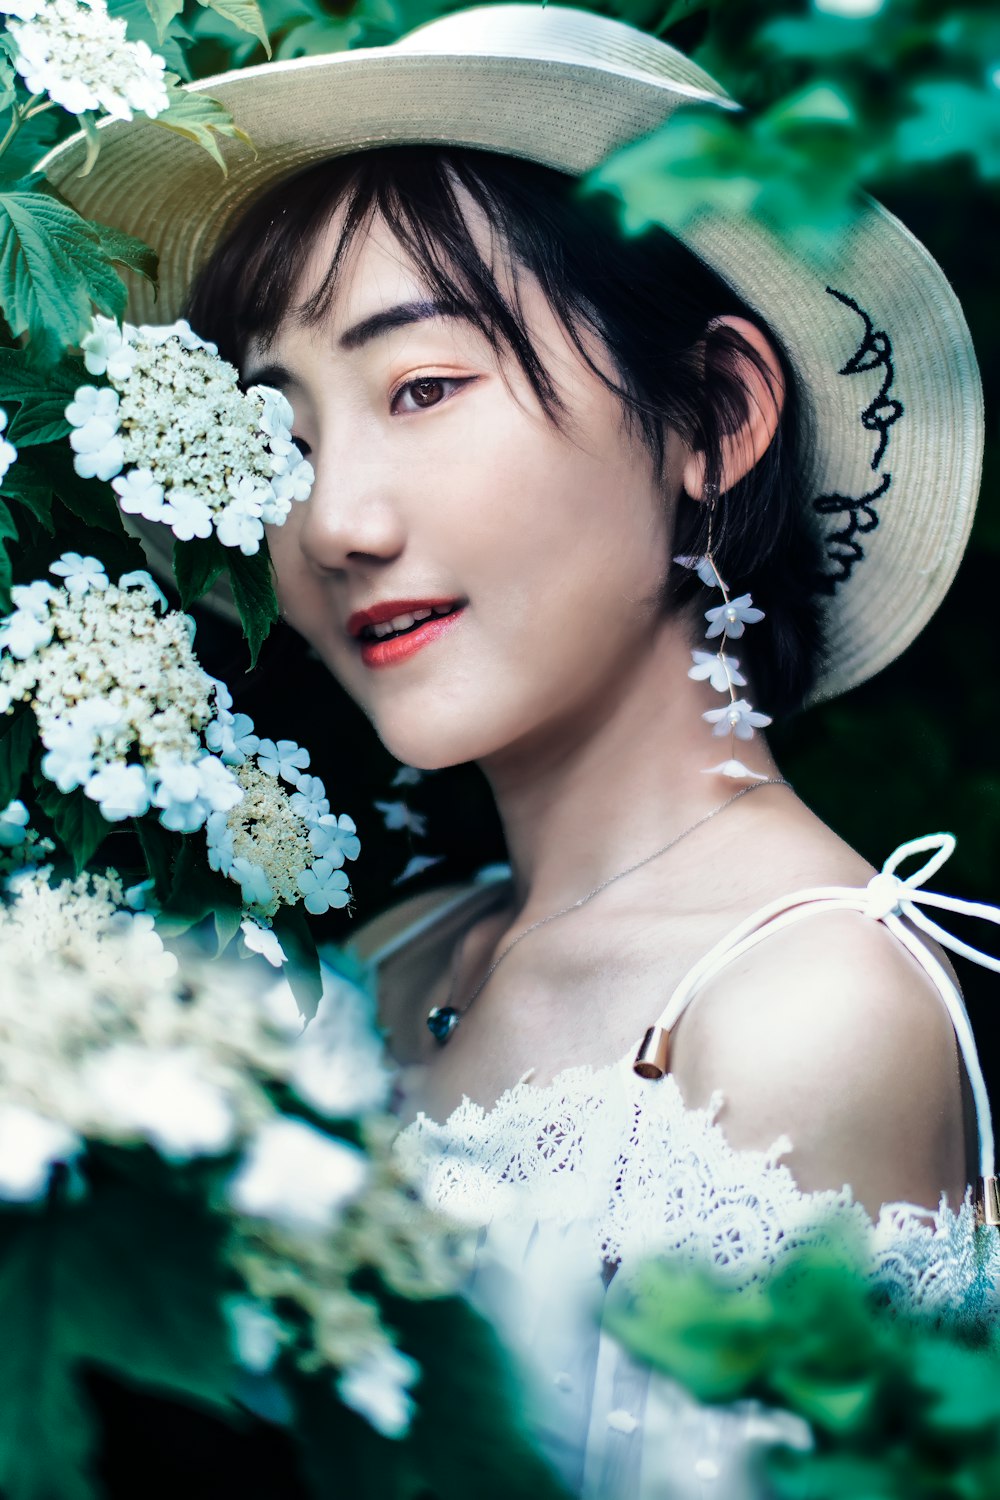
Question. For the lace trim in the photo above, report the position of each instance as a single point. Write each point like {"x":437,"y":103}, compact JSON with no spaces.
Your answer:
{"x":639,"y":1173}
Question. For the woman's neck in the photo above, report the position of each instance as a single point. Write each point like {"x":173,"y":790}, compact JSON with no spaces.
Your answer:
{"x":598,"y":794}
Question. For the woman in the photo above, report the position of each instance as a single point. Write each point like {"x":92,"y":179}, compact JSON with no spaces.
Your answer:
{"x":519,"y":421}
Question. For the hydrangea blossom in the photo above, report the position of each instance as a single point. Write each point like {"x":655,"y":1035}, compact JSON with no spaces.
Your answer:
{"x":398,"y":815}
{"x":74,"y":51}
{"x":182,"y":443}
{"x":378,"y":1388}
{"x":120,"y":699}
{"x":13,"y":825}
{"x":297,"y":1175}
{"x":279,"y":841}
{"x":8,"y":453}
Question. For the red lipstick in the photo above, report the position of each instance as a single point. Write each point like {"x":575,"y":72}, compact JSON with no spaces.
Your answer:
{"x":386,"y":651}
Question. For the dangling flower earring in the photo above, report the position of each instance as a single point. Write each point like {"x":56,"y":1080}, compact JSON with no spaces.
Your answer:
{"x":737,"y":718}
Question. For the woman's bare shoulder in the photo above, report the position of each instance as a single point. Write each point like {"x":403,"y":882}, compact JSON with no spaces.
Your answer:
{"x":830,"y":1032}
{"x":380,"y":931}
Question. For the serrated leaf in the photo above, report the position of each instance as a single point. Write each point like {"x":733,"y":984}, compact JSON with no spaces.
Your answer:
{"x":92,"y":136}
{"x":253,"y":591}
{"x":125,"y":250}
{"x":197,"y":565}
{"x":162,"y":12}
{"x":54,"y":265}
{"x":77,"y":821}
{"x":200,"y":119}
{"x":18,"y":735}
{"x":142,"y":27}
{"x":8,"y":532}
{"x":244,"y":15}
{"x":227,"y":921}
{"x":43,"y":396}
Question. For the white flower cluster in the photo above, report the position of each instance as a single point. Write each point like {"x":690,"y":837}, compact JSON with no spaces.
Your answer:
{"x":8,"y":453}
{"x":78,"y":54}
{"x":104,"y":1037}
{"x":119,"y":697}
{"x":181,"y":442}
{"x":737,"y":718}
{"x":279,"y":842}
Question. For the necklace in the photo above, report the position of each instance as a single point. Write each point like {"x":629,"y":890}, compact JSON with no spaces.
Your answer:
{"x":443,"y":1019}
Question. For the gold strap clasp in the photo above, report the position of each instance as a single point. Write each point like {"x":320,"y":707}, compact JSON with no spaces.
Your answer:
{"x":653,"y":1058}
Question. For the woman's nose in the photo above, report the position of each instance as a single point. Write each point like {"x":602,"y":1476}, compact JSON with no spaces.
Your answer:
{"x":351,"y":514}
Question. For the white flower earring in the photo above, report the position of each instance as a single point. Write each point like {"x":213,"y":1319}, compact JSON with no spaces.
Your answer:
{"x":728,"y":620}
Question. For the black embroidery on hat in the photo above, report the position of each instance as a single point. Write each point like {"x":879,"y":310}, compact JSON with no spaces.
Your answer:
{"x":843,"y":549}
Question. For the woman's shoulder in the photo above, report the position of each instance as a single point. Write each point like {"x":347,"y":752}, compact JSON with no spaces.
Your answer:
{"x":832,"y":1032}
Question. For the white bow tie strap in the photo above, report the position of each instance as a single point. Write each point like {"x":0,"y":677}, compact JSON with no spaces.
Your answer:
{"x":887,"y":898}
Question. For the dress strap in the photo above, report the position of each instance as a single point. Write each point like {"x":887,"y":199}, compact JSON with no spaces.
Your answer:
{"x":887,"y":898}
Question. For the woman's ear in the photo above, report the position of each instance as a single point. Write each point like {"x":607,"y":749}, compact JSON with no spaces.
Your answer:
{"x":743,"y":448}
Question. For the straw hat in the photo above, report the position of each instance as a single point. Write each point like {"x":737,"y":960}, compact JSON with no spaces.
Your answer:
{"x":891,"y":392}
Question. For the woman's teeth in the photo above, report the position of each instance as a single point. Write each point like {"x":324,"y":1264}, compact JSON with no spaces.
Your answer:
{"x":405,"y":622}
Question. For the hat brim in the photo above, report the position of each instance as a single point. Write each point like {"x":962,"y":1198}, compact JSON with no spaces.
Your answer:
{"x":891,"y":398}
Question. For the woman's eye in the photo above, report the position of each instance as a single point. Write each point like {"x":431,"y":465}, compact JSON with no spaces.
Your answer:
{"x":426,"y":392}
{"x":300,"y":443}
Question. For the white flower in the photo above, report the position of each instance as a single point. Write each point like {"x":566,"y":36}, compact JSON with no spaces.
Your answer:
{"x":94,"y":416}
{"x":8,"y":453}
{"x":79,"y":55}
{"x":80,"y":573}
{"x":26,"y":10}
{"x":297,"y":1176}
{"x":163,"y":1098}
{"x":187,"y":515}
{"x":35,"y":597}
{"x":310,"y":800}
{"x":736,"y":718}
{"x":69,"y":757}
{"x":106,"y":349}
{"x":193,"y":451}
{"x":263,"y":941}
{"x":721,"y":671}
{"x":236,"y":525}
{"x":398,"y":815}
{"x":335,"y":839}
{"x":735,"y":769}
{"x":139,"y":494}
{"x":257,"y":889}
{"x":376,"y":1387}
{"x":285,"y":759}
{"x":140,"y":579}
{"x":137,"y":896}
{"x":120,"y":791}
{"x":705,"y":569}
{"x":276,"y":417}
{"x":417,"y":865}
{"x":323,"y":886}
{"x":30,"y":1146}
{"x":406,"y":776}
{"x":217,"y":785}
{"x":232,"y":738}
{"x":13,"y":825}
{"x":732,"y":619}
{"x":221,"y":843}
{"x":23,"y":633}
{"x":340,"y":1066}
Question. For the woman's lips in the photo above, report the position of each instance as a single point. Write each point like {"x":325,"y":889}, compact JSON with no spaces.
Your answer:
{"x":387,"y":653}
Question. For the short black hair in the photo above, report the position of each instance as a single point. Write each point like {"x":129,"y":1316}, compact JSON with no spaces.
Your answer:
{"x":649,"y":300}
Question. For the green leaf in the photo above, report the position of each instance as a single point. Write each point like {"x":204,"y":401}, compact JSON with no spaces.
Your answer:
{"x":76,"y":820}
{"x":8,"y":532}
{"x":54,"y":265}
{"x":158,"y":847}
{"x":93,"y":138}
{"x":253,"y":591}
{"x":43,"y":396}
{"x":200,"y":119}
{"x":125,"y":250}
{"x":129,"y":1281}
{"x":171,"y":45}
{"x":227,"y":921}
{"x":952,"y":119}
{"x":162,"y":13}
{"x":245,"y":16}
{"x":305,"y":978}
{"x":18,"y":735}
{"x":197,"y":565}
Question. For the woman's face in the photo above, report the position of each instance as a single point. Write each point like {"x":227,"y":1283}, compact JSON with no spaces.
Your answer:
{"x":441,"y":485}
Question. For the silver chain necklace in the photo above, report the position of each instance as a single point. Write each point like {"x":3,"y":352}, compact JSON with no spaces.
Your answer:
{"x":443,"y":1019}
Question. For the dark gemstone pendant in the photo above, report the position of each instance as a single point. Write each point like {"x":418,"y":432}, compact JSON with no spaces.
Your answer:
{"x":441,"y":1022}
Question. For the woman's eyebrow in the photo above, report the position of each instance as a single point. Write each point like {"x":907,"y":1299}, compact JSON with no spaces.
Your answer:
{"x":400,"y":316}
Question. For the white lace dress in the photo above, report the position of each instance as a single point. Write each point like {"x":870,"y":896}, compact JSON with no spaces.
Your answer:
{"x":602,"y":1169}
